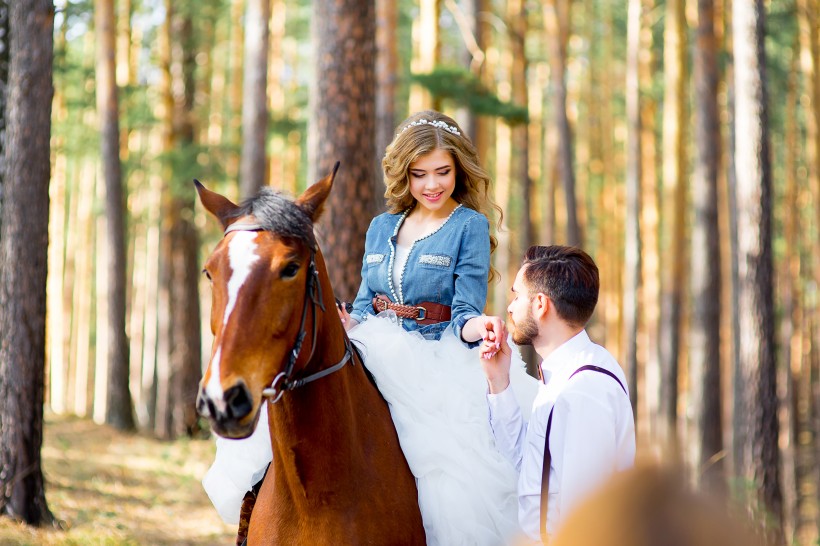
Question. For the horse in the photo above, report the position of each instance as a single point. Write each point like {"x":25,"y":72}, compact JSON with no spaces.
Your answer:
{"x":338,"y":474}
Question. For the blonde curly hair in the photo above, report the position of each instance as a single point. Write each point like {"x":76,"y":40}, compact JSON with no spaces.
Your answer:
{"x":416,"y":138}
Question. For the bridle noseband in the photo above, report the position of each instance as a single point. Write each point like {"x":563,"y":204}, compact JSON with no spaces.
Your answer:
{"x":313,"y":291}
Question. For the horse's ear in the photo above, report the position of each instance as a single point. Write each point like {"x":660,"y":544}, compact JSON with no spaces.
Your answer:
{"x":312,"y":201}
{"x":216,"y":204}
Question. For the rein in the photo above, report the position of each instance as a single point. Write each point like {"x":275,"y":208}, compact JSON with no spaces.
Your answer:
{"x":313,"y":290}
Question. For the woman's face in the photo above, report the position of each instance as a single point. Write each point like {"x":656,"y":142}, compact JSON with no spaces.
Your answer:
{"x":433,"y":179}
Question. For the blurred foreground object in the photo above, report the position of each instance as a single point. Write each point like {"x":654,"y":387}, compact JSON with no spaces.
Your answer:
{"x":653,"y":506}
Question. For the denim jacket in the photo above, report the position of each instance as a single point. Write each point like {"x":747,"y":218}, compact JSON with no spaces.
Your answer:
{"x":449,"y":266}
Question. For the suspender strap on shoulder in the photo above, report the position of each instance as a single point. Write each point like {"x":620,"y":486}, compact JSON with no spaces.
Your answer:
{"x":545,"y":470}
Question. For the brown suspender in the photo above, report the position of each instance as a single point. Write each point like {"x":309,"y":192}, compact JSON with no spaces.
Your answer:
{"x":545,"y":470}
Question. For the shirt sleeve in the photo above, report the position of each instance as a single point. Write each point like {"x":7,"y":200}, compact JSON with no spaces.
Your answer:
{"x":471,"y":274}
{"x":508,"y":425}
{"x":583,"y":446}
{"x":363,"y":304}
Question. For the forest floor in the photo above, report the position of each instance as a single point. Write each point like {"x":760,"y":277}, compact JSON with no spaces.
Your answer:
{"x":110,"y":488}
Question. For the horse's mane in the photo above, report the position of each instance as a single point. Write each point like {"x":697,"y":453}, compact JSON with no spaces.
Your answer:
{"x":278,"y":214}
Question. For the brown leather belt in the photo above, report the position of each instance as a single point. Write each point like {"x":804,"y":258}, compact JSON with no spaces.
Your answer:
{"x":426,"y":312}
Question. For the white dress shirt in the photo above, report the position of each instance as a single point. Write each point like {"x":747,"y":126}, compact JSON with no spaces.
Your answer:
{"x":592,"y":436}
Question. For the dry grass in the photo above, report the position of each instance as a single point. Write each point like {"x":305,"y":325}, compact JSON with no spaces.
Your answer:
{"x":116,"y":489}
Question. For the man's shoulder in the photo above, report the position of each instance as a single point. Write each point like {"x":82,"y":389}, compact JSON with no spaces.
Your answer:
{"x":601,"y":376}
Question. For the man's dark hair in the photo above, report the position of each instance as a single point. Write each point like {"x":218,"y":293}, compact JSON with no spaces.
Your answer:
{"x":568,"y":277}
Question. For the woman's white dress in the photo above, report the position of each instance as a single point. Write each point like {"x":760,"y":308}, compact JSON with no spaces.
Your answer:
{"x":436,"y":392}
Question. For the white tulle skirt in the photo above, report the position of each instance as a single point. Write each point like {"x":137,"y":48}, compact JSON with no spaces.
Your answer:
{"x":436,"y":392}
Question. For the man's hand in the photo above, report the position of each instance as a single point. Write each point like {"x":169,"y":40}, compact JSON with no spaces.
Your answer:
{"x":495,"y":353}
{"x":480,"y":327}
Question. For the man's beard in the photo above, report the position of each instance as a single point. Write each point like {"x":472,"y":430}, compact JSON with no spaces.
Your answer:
{"x":524,"y":332}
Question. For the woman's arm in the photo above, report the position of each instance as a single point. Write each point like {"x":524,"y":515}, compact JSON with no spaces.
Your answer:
{"x":364,"y":298}
{"x":471,"y":274}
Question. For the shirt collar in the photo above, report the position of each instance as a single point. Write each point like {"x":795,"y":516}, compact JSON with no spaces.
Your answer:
{"x":564,"y":354}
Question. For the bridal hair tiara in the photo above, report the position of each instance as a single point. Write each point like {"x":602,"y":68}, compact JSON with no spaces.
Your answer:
{"x":435,"y":123}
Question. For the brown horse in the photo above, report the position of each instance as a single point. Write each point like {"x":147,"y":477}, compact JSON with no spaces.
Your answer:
{"x":338,"y":475}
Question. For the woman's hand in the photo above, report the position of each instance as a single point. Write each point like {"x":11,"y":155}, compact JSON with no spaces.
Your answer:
{"x":344,"y":314}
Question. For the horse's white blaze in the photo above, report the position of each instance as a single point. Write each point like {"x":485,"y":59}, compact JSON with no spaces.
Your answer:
{"x":241,"y":256}
{"x":214,"y":388}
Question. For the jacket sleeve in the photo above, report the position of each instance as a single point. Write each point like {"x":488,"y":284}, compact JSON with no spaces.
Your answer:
{"x":471,"y":274}
{"x":363,"y":305}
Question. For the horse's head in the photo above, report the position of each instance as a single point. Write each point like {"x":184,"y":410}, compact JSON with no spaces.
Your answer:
{"x":264,"y":278}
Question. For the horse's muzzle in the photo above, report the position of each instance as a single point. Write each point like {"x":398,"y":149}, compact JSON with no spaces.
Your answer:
{"x":225,"y":417}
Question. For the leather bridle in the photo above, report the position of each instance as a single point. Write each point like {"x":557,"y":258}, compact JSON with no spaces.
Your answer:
{"x":313,"y":291}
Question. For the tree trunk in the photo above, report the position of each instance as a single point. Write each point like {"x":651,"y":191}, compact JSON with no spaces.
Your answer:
{"x":557,"y":23}
{"x":758,"y":424}
{"x":802,"y":342}
{"x":706,"y":439}
{"x":481,"y":131}
{"x":648,"y":383}
{"x":23,"y":260}
{"x":4,"y":78}
{"x":344,"y":121}
{"x":674,"y":214}
{"x":386,"y":67}
{"x":632,"y":243}
{"x":788,"y":292}
{"x":426,"y":52}
{"x":55,"y":302}
{"x":278,"y":146}
{"x":186,"y":356}
{"x":179,"y":349}
{"x":502,"y":258}
{"x":517,"y":29}
{"x":119,"y":413}
{"x":234,"y":69}
{"x":254,"y":98}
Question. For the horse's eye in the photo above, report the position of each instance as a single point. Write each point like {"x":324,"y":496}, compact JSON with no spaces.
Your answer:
{"x":290,"y":270}
{"x":207,"y":275}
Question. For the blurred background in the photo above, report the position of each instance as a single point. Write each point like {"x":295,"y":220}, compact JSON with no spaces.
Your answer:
{"x":676,"y":142}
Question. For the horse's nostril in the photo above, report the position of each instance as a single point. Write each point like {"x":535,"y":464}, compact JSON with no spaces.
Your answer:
{"x":238,"y":400}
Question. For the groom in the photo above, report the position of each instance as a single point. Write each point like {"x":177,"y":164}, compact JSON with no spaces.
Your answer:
{"x":582,"y":414}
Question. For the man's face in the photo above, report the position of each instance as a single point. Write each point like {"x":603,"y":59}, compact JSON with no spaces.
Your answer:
{"x":522,"y":325}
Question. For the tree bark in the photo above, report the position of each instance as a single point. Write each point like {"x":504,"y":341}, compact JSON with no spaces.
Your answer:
{"x":344,"y":121}
{"x":674,"y":215}
{"x":517,"y":27}
{"x":648,"y":383}
{"x":757,"y":423}
{"x":632,"y":243}
{"x":386,"y":67}
{"x":179,"y":364}
{"x":23,"y":262}
{"x":119,"y":413}
{"x":4,"y":78}
{"x":254,"y":98}
{"x":706,"y":440}
{"x":557,"y":23}
{"x":426,"y":52}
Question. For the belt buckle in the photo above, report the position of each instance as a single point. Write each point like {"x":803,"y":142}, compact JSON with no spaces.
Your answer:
{"x":422,"y":313}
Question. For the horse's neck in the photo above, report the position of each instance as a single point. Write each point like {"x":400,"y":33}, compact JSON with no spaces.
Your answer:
{"x":324,"y":413}
{"x":314,"y":429}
